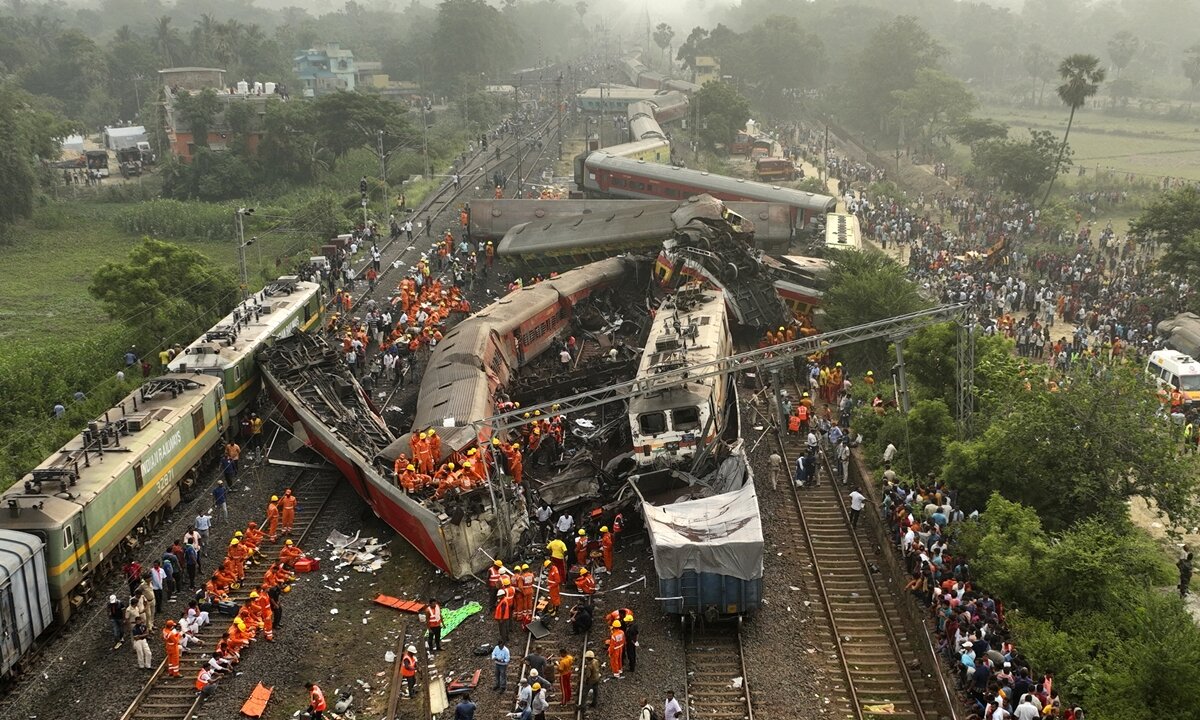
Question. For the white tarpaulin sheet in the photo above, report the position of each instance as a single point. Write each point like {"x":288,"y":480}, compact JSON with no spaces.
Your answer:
{"x":721,"y":534}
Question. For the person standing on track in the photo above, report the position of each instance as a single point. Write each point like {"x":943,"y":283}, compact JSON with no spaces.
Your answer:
{"x":433,"y":618}
{"x":671,"y":708}
{"x":287,"y":507}
{"x":566,"y":669}
{"x":501,"y":658}
{"x":591,"y":678}
{"x":141,"y":644}
{"x":220,"y":496}
{"x":616,"y":648}
{"x":273,"y":518}
{"x":408,"y":671}
{"x":857,"y":501}
{"x":171,"y":639}
{"x":631,"y":641}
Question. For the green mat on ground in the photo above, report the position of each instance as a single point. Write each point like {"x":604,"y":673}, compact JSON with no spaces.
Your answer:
{"x":453,"y":618}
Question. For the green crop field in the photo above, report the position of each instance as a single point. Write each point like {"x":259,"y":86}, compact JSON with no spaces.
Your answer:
{"x":1147,"y":146}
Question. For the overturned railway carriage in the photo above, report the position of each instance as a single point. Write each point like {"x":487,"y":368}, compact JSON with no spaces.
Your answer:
{"x":601,"y":174}
{"x":675,"y":423}
{"x":227,"y":349}
{"x":25,"y":607}
{"x":122,"y":472}
{"x":329,"y":410}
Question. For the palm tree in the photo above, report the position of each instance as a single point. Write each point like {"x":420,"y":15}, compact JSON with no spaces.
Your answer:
{"x":167,"y":40}
{"x":663,"y":35}
{"x":1081,"y":75}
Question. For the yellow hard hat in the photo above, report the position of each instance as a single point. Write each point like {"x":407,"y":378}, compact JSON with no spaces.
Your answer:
{"x":288,"y":542}
{"x":274,"y":498}
{"x":780,"y":328}
{"x":616,"y":623}
{"x":604,"y":529}
{"x":505,"y":581}
{"x":536,"y":686}
{"x":240,"y":623}
{"x":838,"y":365}
{"x":537,"y":431}
{"x":583,"y":571}
{"x":471,"y":451}
{"x":555,"y":406}
{"x":516,"y":446}
{"x":410,"y":467}
{"x":233,"y":541}
{"x":498,"y":563}
{"x":804,"y":395}
{"x":525,"y":566}
{"x":582,"y":531}
{"x":238,"y":534}
{"x":628,"y":618}
{"x":870,"y":372}
{"x":525,"y":415}
{"x":536,"y":413}
{"x":253,"y":593}
{"x":287,"y":588}
{"x":495,"y":441}
{"x":467,"y":464}
{"x":545,"y":563}
{"x":450,"y":465}
{"x":432,"y":432}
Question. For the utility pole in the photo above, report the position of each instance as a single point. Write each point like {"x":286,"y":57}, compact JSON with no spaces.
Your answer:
{"x":425,"y":140}
{"x":558,"y":110}
{"x":383,"y":174}
{"x":242,"y":244}
{"x":825,"y":162}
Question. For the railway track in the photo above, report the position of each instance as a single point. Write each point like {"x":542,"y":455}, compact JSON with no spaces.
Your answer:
{"x":864,"y":632}
{"x":174,"y":698}
{"x":481,"y":165}
{"x":717,"y":684}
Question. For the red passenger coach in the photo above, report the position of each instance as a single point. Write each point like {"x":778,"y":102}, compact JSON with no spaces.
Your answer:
{"x":601,"y":174}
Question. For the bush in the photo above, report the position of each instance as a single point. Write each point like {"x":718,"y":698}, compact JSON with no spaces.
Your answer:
{"x":178,"y":219}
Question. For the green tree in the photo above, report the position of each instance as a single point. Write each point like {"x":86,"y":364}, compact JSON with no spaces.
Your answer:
{"x":889,"y":62}
{"x":199,"y":112}
{"x":471,"y":38}
{"x":1173,"y":220}
{"x":779,"y":57}
{"x":1122,"y":46}
{"x":864,"y":287}
{"x":1039,"y":66}
{"x":1081,"y":76}
{"x":346,"y":120}
{"x":935,"y":102}
{"x":17,"y":179}
{"x":1084,"y":452}
{"x":691,"y":48}
{"x":165,"y":290}
{"x":970,"y":131}
{"x":722,"y":111}
{"x":931,"y":361}
{"x":1191,"y":66}
{"x":1021,"y":167}
{"x":663,"y":34}
{"x":920,"y":436}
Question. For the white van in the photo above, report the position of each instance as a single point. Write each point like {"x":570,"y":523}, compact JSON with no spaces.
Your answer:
{"x":1172,"y":370}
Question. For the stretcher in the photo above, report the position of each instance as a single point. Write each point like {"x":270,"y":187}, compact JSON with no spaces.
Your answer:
{"x":256,"y":704}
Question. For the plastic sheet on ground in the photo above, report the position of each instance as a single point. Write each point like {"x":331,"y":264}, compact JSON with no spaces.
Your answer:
{"x":363,"y":554}
{"x":453,"y":618}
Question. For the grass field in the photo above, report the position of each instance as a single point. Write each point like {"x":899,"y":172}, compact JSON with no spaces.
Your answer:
{"x":1148,"y":146}
{"x":57,"y":252}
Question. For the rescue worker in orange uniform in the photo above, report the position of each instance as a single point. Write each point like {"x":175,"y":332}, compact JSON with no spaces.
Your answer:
{"x":606,"y":546}
{"x":528,"y":583}
{"x":316,"y":701}
{"x":581,"y":547}
{"x":586,"y":584}
{"x":616,"y":648}
{"x":262,"y":608}
{"x":433,"y":619}
{"x":171,"y":638}
{"x":495,"y":574}
{"x":421,"y":453}
{"x":435,"y":442}
{"x":287,"y":511}
{"x":289,"y":554}
{"x":512,"y":454}
{"x":408,"y":670}
{"x":503,"y":614}
{"x":252,"y":539}
{"x":554,"y":580}
{"x":273,"y":518}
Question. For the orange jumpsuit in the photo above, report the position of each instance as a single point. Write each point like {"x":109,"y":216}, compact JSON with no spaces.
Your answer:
{"x":288,"y":506}
{"x":272,"y":521}
{"x":172,"y":638}
{"x":262,"y":607}
{"x":616,"y":649}
{"x":586,"y":584}
{"x":554,"y":585}
{"x":606,"y":544}
{"x":289,"y":554}
{"x":581,"y":549}
{"x":527,"y":586}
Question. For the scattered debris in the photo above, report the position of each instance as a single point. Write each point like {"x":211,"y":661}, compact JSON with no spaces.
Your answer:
{"x":363,"y":554}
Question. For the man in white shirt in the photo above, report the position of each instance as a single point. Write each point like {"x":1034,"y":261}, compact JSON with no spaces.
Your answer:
{"x":889,"y":453}
{"x":671,"y":708}
{"x":565,"y":525}
{"x":1027,"y":710}
{"x":857,"y":501}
